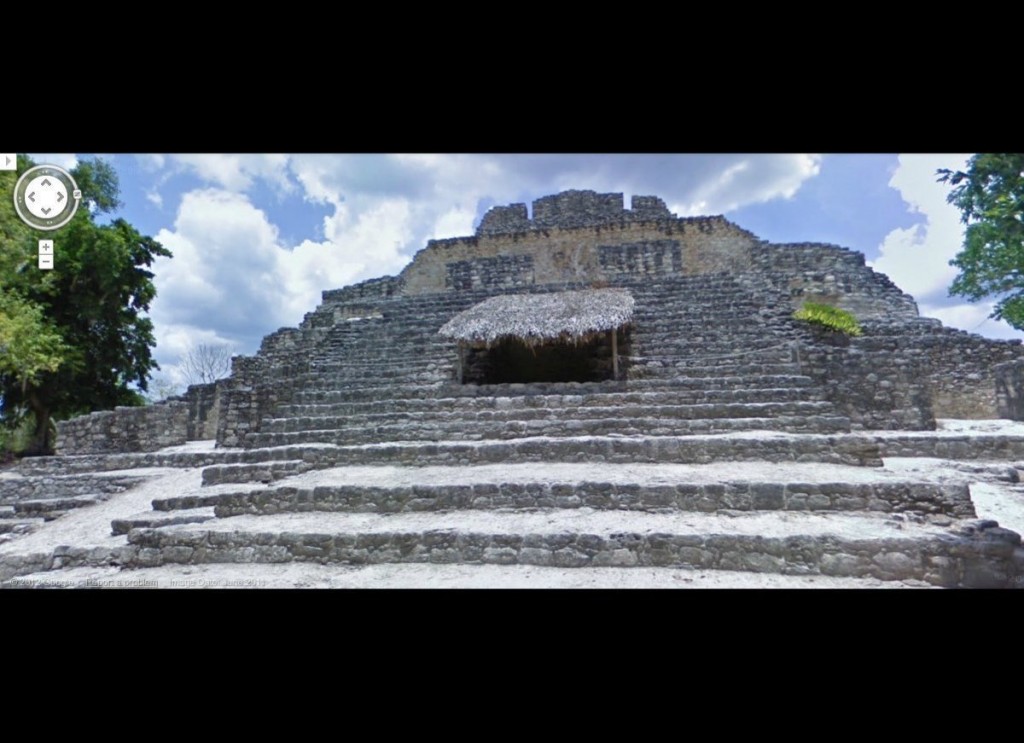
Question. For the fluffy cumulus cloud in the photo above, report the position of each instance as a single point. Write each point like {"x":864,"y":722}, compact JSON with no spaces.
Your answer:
{"x":234,"y":278}
{"x":238,"y":172}
{"x":221,"y":273}
{"x":917,"y":258}
{"x":750,"y":180}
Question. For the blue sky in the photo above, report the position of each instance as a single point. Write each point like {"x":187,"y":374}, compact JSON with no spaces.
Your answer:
{"x":257,"y":237}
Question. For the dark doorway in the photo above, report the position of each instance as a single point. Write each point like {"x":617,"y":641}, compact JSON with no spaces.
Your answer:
{"x":514,"y":362}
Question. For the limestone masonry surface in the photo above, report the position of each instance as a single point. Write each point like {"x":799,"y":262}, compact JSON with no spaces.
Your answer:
{"x":709,"y":432}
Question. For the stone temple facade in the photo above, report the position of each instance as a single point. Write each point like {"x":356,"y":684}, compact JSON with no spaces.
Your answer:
{"x":711,"y":368}
{"x":711,"y":298}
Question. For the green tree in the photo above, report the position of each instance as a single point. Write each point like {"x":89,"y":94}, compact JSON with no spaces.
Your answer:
{"x":95,"y":299}
{"x":990,"y":197}
{"x":29,"y":345}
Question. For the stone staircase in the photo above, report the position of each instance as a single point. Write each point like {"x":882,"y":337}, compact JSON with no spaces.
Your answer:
{"x":29,"y":500}
{"x":704,"y":361}
{"x":713,"y":453}
{"x":794,"y":520}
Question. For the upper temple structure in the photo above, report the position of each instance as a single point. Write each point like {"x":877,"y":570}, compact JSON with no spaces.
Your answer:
{"x":706,"y":298}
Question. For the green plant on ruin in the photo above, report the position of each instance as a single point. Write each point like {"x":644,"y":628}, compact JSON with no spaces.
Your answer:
{"x":828,"y":317}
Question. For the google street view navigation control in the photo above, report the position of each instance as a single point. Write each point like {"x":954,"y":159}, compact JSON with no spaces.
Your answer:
{"x":46,"y":197}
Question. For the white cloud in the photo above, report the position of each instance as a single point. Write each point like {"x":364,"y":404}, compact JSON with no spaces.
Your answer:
{"x":455,"y":222}
{"x":917,"y":258}
{"x":239,"y":172}
{"x":221,"y":278}
{"x":151,"y":163}
{"x":232,"y":276}
{"x":750,"y":180}
{"x":973,"y":318}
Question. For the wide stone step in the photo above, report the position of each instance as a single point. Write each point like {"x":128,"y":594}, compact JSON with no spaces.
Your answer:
{"x":974,"y":554}
{"x":704,"y":370}
{"x":700,"y":312}
{"x":390,"y":368}
{"x":160,"y":518}
{"x":675,"y":345}
{"x":426,"y":575}
{"x":431,"y":430}
{"x":950,"y":445}
{"x":14,"y":488}
{"x":424,"y":494}
{"x":427,"y":343}
{"x":454,"y":415}
{"x":378,"y":376}
{"x":698,"y":319}
{"x":701,"y":355}
{"x":12,"y":527}
{"x":162,"y":459}
{"x":357,"y":393}
{"x":395,"y":363}
{"x":52,"y":508}
{"x":376,"y":385}
{"x":711,"y":325}
{"x":266,"y":472}
{"x":746,"y":446}
{"x":414,"y":340}
{"x":610,"y":399}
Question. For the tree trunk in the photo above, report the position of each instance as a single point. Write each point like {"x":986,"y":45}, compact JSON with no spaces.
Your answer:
{"x":39,"y":445}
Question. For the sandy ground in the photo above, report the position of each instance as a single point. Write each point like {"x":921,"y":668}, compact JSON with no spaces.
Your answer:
{"x":566,"y":472}
{"x":90,"y":527}
{"x":772,"y":524}
{"x":306,"y":575}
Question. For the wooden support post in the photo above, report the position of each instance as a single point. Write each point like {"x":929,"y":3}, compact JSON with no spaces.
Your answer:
{"x":462,"y":363}
{"x":614,"y":354}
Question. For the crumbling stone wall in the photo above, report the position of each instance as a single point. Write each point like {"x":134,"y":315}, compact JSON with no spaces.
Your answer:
{"x":372,"y":289}
{"x":1010,"y":389}
{"x":503,"y":220}
{"x":650,"y":258}
{"x":125,"y":429}
{"x":960,"y":366}
{"x":832,"y":275}
{"x":500,"y":272}
{"x":869,"y":380}
{"x":707,"y":245}
{"x":905,"y":375}
{"x":571,"y":210}
{"x":259,"y":383}
{"x":203,"y":401}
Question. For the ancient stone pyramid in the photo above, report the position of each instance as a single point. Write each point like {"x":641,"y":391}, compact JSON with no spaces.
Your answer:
{"x":659,"y":410}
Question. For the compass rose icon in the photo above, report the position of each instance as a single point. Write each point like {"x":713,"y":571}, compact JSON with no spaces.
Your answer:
{"x":46,"y":197}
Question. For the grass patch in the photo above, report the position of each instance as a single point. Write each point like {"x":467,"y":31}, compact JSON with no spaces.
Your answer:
{"x":828,"y":317}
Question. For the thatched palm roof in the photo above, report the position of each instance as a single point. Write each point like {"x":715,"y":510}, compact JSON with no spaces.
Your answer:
{"x":570,"y":316}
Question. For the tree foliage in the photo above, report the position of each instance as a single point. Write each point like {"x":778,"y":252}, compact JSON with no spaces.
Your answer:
{"x":95,"y":300}
{"x":990,"y":197}
{"x":29,"y":345}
